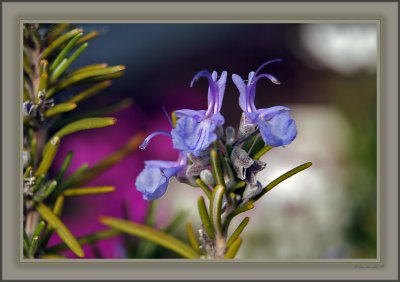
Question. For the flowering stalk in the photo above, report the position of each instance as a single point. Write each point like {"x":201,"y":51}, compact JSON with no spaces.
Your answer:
{"x":224,"y":164}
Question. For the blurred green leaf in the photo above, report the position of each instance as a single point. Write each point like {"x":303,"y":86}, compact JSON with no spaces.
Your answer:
{"x":52,"y":256}
{"x":281,"y":178}
{"x":216,"y":168}
{"x":205,"y":218}
{"x":204,"y":187}
{"x":88,"y":191}
{"x":97,"y":112}
{"x":112,"y":159}
{"x":91,"y":91}
{"x":60,"y":228}
{"x":151,"y":234}
{"x":56,"y":31}
{"x":48,"y":155}
{"x":234,"y":248}
{"x":192,"y":237}
{"x":65,"y":51}
{"x":71,"y":179}
{"x":146,"y":248}
{"x":59,"y":70}
{"x":26,"y":242}
{"x":215,"y":207}
{"x":178,"y":220}
{"x":60,"y":40}
{"x":33,"y":148}
{"x":60,"y":108}
{"x":65,"y":165}
{"x":27,"y":65}
{"x":84,"y":124}
{"x":88,"y":37}
{"x":87,"y":239}
{"x":237,"y":232}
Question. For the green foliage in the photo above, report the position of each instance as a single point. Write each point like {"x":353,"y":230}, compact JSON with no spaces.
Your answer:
{"x":47,"y":60}
{"x":151,"y":234}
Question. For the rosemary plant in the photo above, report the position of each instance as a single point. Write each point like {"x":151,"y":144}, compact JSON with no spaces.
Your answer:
{"x":48,"y":52}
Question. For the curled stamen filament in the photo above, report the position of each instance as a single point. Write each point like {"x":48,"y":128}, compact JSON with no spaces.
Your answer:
{"x":146,"y":141}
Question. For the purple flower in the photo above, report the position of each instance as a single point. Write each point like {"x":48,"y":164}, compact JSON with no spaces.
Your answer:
{"x":276,"y":126}
{"x":195,"y":130}
{"x":153,"y":181}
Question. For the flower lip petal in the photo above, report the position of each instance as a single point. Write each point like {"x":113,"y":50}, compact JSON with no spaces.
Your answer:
{"x":213,"y":90}
{"x":241,"y":86}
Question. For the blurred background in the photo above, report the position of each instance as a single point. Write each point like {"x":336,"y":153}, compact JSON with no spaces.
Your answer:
{"x":329,"y":79}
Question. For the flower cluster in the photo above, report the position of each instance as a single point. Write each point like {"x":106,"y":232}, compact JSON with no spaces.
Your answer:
{"x":196,"y":132}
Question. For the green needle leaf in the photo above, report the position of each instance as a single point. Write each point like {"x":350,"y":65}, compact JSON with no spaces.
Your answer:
{"x":234,"y":248}
{"x":49,"y":153}
{"x":205,"y":219}
{"x":57,"y":210}
{"x":60,"y":108}
{"x":282,"y":178}
{"x":65,"y":63}
{"x":58,"y":206}
{"x":178,"y":220}
{"x":90,"y":68}
{"x":27,"y":172}
{"x":192,"y":237}
{"x":35,"y":239}
{"x":151,"y":234}
{"x":216,"y":168}
{"x":65,"y":51}
{"x":240,"y":184}
{"x":87,"y":239}
{"x":46,"y":191}
{"x":60,"y":228}
{"x":43,"y":80}
{"x":26,"y":243}
{"x":215,"y":207}
{"x":65,"y":165}
{"x":77,"y":77}
{"x":204,"y":187}
{"x":261,"y":152}
{"x":83,"y":124}
{"x":112,"y":159}
{"x":88,"y":191}
{"x":91,"y":91}
{"x":246,"y":207}
{"x":237,"y":232}
{"x":60,"y":40}
{"x":72,"y":179}
{"x":88,"y":37}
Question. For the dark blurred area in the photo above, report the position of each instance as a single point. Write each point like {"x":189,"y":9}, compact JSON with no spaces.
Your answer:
{"x":328,"y":75}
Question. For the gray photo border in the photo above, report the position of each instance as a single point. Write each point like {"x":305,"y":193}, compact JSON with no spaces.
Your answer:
{"x":385,"y":14}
